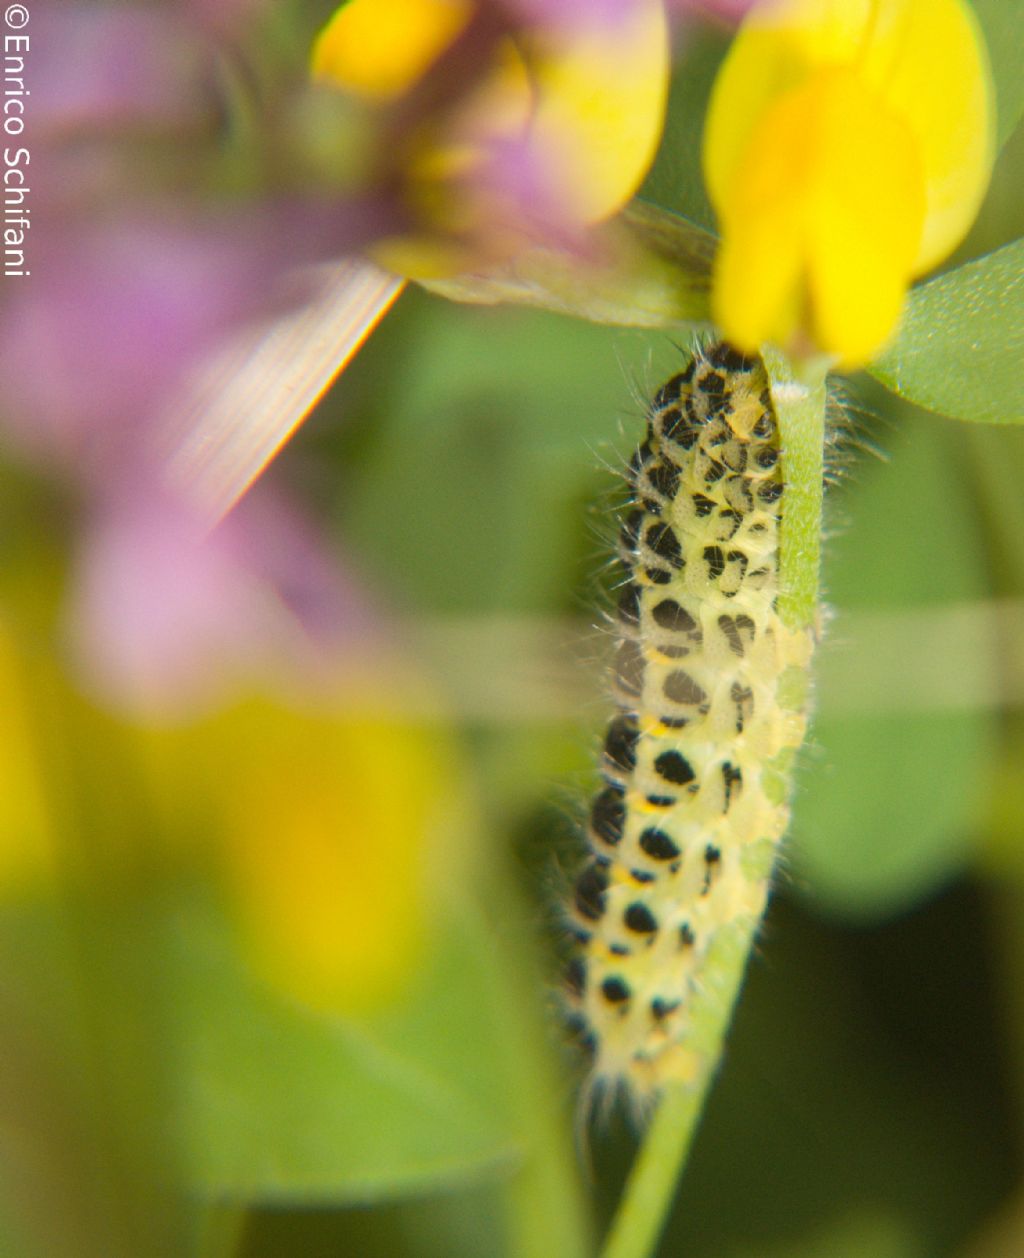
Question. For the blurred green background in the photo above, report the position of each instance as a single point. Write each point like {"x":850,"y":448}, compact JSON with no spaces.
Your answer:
{"x":871,"y":1101}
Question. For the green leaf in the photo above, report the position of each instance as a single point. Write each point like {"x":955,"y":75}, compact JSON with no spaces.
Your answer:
{"x":278,"y":1103}
{"x":889,"y":791}
{"x":961,"y":343}
{"x":886,"y":808}
{"x":645,"y":268}
{"x":1004,"y":34}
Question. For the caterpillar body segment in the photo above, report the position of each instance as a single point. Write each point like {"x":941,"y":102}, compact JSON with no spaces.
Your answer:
{"x":710,"y":686}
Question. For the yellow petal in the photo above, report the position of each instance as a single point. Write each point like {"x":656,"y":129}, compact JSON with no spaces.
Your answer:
{"x":587,"y":102}
{"x":924,"y":58}
{"x":334,"y":828}
{"x":601,"y":106}
{"x":777,"y":48}
{"x":864,"y":221}
{"x":377,"y":49}
{"x":26,"y":838}
{"x":758,"y":293}
{"x":824,"y":222}
{"x":930,"y":64}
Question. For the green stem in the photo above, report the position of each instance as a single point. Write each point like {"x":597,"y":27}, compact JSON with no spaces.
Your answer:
{"x":651,"y":1187}
{"x":798,"y":394}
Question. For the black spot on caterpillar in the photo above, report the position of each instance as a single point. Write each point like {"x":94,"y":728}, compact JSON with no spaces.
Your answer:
{"x":691,"y":803}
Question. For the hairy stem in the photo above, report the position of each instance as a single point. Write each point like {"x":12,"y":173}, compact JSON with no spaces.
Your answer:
{"x":799,"y":397}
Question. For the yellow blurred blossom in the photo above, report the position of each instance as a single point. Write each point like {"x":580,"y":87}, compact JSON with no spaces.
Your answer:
{"x":338,"y":830}
{"x":552,"y":128}
{"x":26,"y":851}
{"x":378,"y":50}
{"x":328,"y":810}
{"x":847,"y":148}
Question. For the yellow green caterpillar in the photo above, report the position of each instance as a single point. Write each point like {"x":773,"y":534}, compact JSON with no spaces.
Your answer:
{"x":684,"y":832}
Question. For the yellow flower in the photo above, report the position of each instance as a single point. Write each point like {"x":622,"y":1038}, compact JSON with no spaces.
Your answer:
{"x":26,"y":837}
{"x":341,"y":834}
{"x":329,"y":848}
{"x":847,"y":149}
{"x":582,"y":102}
{"x":378,"y":50}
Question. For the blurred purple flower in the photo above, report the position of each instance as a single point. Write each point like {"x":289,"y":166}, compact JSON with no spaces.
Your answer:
{"x":96,"y":346}
{"x":568,"y":14}
{"x":118,"y":95}
{"x":95,"y":349}
{"x":158,"y":610}
{"x":102,"y":66}
{"x":225,"y":15}
{"x":527,"y":123}
{"x":99,"y":342}
{"x":94,"y":343}
{"x":166,"y":617}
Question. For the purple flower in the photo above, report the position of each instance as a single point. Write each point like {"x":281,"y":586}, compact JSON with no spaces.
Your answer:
{"x":166,"y":617}
{"x":131,"y":292}
{"x":497,"y":125}
{"x":568,"y":14}
{"x":95,"y":341}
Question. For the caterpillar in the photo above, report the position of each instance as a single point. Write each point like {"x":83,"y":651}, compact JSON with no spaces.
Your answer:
{"x":709,"y":685}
